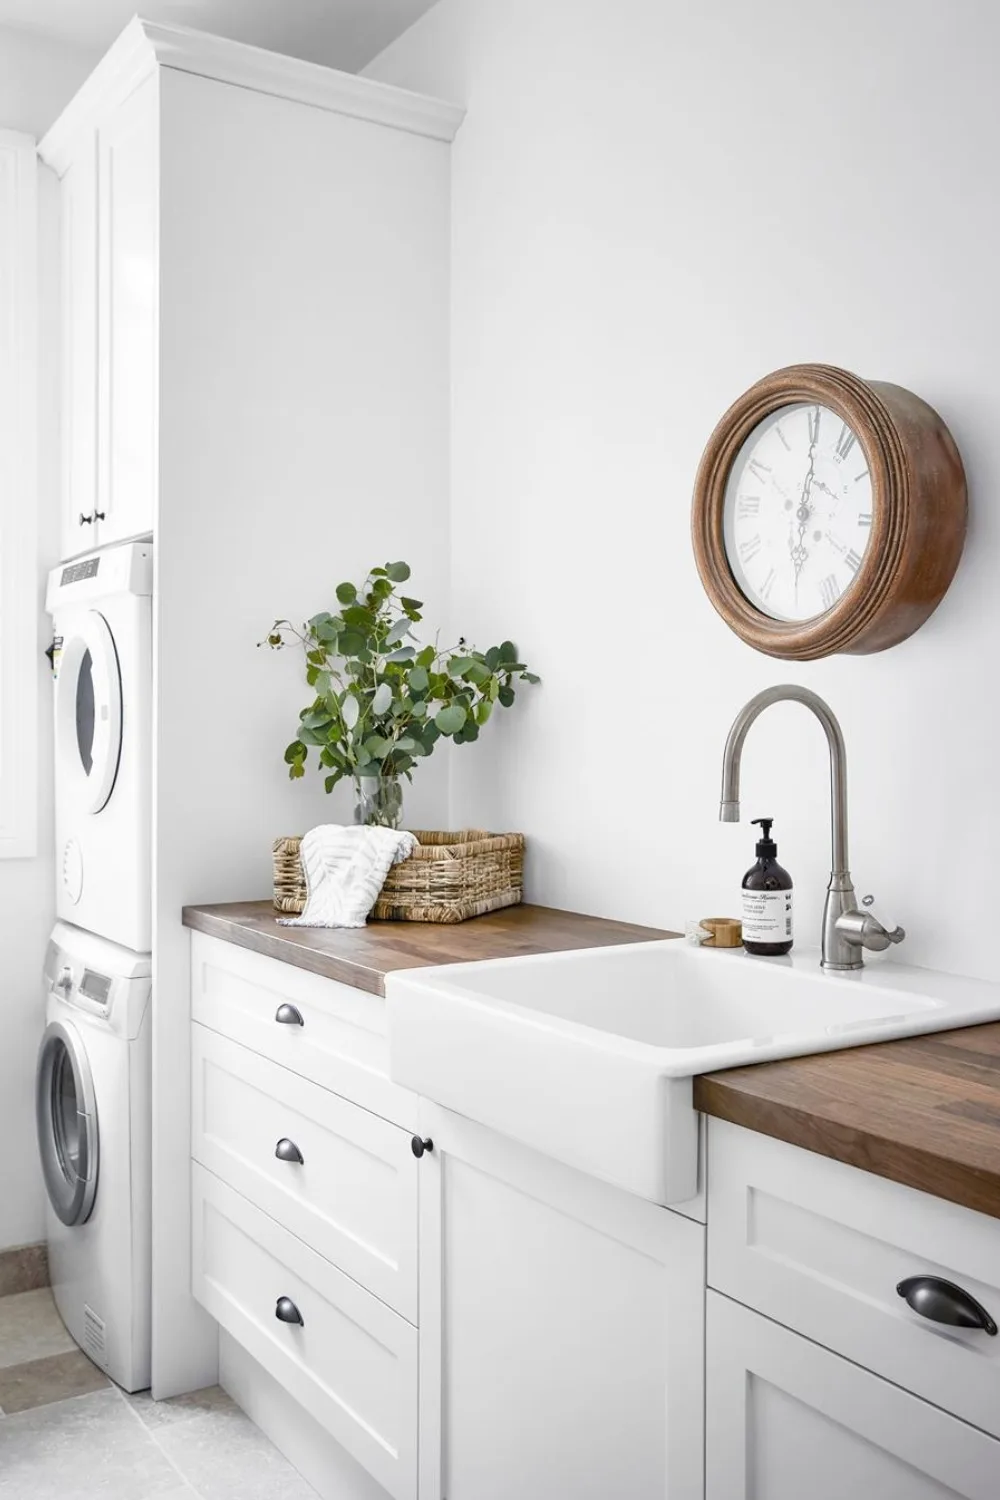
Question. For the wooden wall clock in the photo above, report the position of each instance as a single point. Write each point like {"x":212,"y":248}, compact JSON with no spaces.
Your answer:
{"x":829,"y":513}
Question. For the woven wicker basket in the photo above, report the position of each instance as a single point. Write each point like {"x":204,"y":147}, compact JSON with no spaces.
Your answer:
{"x":448,"y":878}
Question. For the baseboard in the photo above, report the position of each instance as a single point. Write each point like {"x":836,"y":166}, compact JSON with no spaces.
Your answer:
{"x":23,"y":1268}
{"x":319,"y":1458}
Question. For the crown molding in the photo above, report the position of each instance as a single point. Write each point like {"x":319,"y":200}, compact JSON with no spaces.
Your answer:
{"x":145,"y":45}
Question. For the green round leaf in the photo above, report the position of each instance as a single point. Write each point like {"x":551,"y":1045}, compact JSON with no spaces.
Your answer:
{"x":382,"y":698}
{"x":350,"y":710}
{"x":346,"y":593}
{"x":506,"y":696}
{"x":351,"y":643}
{"x":399,"y":572}
{"x":450,"y":720}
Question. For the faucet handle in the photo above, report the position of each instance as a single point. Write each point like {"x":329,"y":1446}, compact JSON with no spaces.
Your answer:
{"x":862,"y":930}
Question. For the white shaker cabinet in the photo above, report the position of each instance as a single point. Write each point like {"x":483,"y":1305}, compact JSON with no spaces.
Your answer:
{"x":127,"y":286}
{"x":786,"y":1419}
{"x":561,"y":1323}
{"x":109,"y":187}
{"x":79,"y":347}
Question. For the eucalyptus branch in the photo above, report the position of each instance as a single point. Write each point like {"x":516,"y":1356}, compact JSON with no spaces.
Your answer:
{"x":362,"y":734}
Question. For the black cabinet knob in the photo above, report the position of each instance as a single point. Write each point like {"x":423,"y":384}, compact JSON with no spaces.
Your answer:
{"x":944,"y":1302}
{"x":287,"y":1150}
{"x":289,"y":1015}
{"x":418,"y":1146}
{"x":85,"y":520}
{"x":99,"y":515}
{"x":286,"y":1312}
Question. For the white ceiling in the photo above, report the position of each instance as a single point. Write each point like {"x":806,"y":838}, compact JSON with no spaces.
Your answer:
{"x":341,"y":33}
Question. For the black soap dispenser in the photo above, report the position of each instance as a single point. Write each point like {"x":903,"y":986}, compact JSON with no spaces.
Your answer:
{"x":767,"y":900}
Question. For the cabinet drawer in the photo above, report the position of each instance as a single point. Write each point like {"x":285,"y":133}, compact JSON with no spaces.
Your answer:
{"x":341,"y":1043}
{"x":786,"y":1420}
{"x":352,"y":1363}
{"x":821,"y":1247}
{"x":353,"y":1197}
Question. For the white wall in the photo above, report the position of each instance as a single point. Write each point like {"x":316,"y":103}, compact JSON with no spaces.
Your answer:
{"x":653,"y":205}
{"x":305,"y":442}
{"x":36,"y":79}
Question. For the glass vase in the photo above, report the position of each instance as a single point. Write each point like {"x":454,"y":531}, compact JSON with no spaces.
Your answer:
{"x":378,"y":801}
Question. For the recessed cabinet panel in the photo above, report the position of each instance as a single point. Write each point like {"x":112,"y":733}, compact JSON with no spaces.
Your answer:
{"x":561,"y":1330}
{"x":336,"y":1175}
{"x":127,"y":302}
{"x":821,"y":1247}
{"x":787,"y":1420}
{"x":340,"y":1352}
{"x":79,"y":349}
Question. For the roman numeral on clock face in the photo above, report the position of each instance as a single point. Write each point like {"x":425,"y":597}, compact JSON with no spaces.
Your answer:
{"x":748,"y":505}
{"x":813,"y":416}
{"x":865,"y":518}
{"x":829,"y":591}
{"x":761,"y":470}
{"x":852,"y":560}
{"x":845,"y":442}
{"x":767,"y":585}
{"x":750,"y":548}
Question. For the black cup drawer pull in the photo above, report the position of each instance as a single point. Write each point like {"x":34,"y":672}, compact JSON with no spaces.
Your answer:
{"x":287,"y":1150}
{"x":944,"y":1302}
{"x":286,"y":1312}
{"x":288,"y":1015}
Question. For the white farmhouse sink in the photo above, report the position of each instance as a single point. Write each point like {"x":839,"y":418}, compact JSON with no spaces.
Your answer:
{"x":589,"y":1056}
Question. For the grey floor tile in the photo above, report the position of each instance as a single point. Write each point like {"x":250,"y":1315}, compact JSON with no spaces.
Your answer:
{"x":88,"y":1448}
{"x":23,"y":1269}
{"x":30,"y":1328}
{"x":177,"y":1408}
{"x":43,"y":1381}
{"x":225,"y":1457}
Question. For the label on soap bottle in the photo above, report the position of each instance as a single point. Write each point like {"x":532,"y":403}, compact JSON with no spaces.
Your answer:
{"x":767,"y":916}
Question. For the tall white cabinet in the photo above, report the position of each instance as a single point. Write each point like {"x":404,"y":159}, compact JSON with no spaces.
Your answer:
{"x":109,"y":169}
{"x":256,"y":270}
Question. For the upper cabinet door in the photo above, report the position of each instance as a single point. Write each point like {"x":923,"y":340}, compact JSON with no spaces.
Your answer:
{"x":127,"y":334}
{"x":79,"y":324}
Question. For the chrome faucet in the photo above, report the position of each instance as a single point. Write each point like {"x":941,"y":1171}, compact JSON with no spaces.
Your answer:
{"x":846,"y":930}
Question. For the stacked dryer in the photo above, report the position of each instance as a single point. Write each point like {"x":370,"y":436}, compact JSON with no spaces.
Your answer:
{"x":93,"y":1080}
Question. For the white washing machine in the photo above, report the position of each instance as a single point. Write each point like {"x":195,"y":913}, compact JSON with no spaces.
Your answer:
{"x":102,"y":662}
{"x":93,"y":1110}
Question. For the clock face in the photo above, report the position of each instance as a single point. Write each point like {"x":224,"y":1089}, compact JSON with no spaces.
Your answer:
{"x":798,"y":512}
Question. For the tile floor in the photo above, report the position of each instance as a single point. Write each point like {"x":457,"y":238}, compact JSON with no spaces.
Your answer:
{"x":67,"y":1433}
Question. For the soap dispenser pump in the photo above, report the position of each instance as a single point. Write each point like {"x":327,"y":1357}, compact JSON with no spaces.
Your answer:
{"x":767,"y":900}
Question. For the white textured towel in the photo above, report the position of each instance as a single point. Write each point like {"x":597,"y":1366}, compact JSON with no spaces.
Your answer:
{"x":345,"y":868}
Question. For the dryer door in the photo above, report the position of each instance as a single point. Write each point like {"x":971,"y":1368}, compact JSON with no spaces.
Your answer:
{"x":66,"y":1113}
{"x":89,"y":711}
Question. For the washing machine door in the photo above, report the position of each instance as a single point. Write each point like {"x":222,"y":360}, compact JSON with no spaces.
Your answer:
{"x":66,"y":1112}
{"x":89,"y":711}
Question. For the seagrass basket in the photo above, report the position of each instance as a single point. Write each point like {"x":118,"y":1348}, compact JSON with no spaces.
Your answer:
{"x":449,"y":877}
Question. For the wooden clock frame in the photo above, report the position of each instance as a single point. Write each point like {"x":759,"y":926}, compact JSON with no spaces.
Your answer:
{"x":919,"y":515}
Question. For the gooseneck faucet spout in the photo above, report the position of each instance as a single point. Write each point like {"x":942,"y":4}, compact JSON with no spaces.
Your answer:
{"x":846,"y":931}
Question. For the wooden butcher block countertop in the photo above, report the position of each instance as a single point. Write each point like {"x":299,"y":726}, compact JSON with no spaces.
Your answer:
{"x":363,"y":956}
{"x":924,"y":1111}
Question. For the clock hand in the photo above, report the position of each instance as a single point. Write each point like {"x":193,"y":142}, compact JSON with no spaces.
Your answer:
{"x":799,"y":552}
